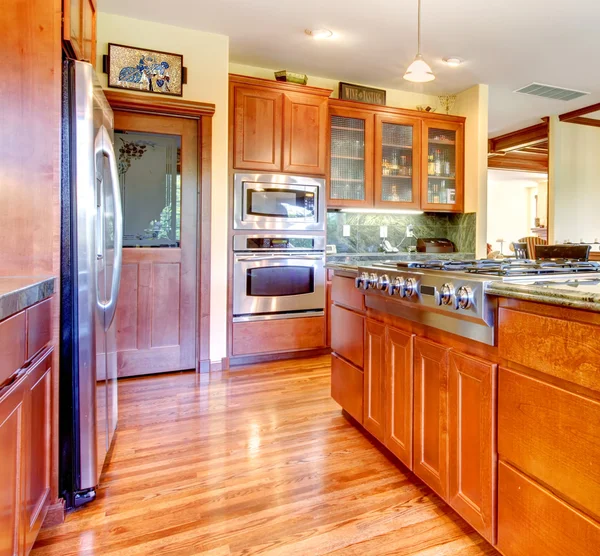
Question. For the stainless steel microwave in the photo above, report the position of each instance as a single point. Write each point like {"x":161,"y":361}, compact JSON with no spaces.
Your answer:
{"x":278,"y":202}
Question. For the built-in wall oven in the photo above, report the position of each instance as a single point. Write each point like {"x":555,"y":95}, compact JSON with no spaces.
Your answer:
{"x":278,"y":202}
{"x":278,"y":276}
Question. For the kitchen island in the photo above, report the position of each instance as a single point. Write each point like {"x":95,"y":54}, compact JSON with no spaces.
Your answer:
{"x":508,"y":431}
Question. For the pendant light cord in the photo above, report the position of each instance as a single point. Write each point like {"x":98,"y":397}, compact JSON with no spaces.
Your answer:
{"x":419,"y":28}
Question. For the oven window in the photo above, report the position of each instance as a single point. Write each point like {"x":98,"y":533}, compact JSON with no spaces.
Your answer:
{"x":275,"y":281}
{"x":280,"y":203}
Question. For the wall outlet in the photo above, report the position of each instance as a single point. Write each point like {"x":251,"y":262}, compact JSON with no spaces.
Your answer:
{"x":383,"y":231}
{"x":410,"y":231}
{"x":346,"y":230}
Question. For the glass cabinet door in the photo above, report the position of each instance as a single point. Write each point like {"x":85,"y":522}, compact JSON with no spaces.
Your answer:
{"x":443,"y":189}
{"x":397,"y":147}
{"x":351,"y":158}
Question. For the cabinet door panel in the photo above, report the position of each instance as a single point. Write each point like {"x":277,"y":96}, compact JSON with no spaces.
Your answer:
{"x":12,"y":438}
{"x":442,"y":166}
{"x":347,"y":335}
{"x":88,"y":30}
{"x":347,"y":385}
{"x":305,"y":133}
{"x":258,"y":118}
{"x":399,"y":395}
{"x":72,"y":26}
{"x":38,"y":456}
{"x":431,"y":415}
{"x":374,"y":391}
{"x":351,"y":158}
{"x":397,"y":161}
{"x":472,"y":439}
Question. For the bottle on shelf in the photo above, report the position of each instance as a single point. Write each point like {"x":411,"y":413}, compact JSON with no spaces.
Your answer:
{"x":394,"y":166}
{"x":438,"y":162}
{"x":430,"y":165}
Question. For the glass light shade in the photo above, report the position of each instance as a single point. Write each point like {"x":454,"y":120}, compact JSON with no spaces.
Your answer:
{"x":419,"y":71}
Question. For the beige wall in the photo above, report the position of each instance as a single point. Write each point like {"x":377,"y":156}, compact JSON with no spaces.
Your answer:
{"x":206,"y":56}
{"x":473,"y":104}
{"x":574,"y":182}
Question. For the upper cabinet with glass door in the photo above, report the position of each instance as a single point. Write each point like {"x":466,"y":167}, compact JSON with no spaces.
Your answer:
{"x":443,"y":169}
{"x":381,"y":157}
{"x":79,"y":29}
{"x":397,"y":164}
{"x":351,"y":168}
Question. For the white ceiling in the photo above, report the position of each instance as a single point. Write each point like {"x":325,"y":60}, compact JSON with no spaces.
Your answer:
{"x":506,"y":43}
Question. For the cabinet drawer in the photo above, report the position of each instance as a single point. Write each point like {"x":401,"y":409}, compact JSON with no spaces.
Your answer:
{"x":39,"y":327}
{"x":344,"y":293}
{"x":531,"y":520}
{"x":278,"y":335}
{"x":12,"y":345}
{"x":569,"y":350}
{"x":347,"y":387}
{"x":552,"y":435}
{"x":347,"y":334}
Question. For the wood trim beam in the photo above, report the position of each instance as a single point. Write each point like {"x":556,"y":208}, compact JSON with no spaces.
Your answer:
{"x":522,"y":161}
{"x":584,"y":121}
{"x":520,"y":139}
{"x":158,"y":105}
{"x":570,"y":116}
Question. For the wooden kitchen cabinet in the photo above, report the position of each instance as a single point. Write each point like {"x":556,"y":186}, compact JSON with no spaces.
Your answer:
{"x":374,"y":375}
{"x":472,"y":465}
{"x":399,"y":395}
{"x":380,"y":157}
{"x":430,"y":456}
{"x":278,"y":127}
{"x":347,"y":335}
{"x":79,"y":29}
{"x":13,"y":441}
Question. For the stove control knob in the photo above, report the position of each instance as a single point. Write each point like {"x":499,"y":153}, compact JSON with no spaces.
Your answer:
{"x":383,"y":283}
{"x":373,"y":280}
{"x":464,"y":298}
{"x":396,"y":286}
{"x":358,"y":282}
{"x":410,"y":287}
{"x":364,"y":280}
{"x":444,"y":295}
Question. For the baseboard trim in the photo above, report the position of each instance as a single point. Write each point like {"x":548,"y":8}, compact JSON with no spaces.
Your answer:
{"x":252,"y":359}
{"x":204,"y":366}
{"x":55,"y":515}
{"x":218,"y":366}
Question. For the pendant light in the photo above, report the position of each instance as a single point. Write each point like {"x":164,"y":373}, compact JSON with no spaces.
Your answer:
{"x":419,"y":71}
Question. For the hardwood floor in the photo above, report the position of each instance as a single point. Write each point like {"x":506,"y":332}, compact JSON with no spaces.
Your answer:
{"x":254,"y":461}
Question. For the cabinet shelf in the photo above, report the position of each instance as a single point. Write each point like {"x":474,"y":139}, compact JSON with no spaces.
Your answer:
{"x":348,"y":128}
{"x":351,"y":180}
{"x":397,"y":177}
{"x":348,"y":157}
{"x":448,"y":143}
{"x":441,"y":177}
{"x":404,"y":147}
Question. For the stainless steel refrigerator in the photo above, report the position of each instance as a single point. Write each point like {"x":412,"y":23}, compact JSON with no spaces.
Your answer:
{"x":91,"y":260}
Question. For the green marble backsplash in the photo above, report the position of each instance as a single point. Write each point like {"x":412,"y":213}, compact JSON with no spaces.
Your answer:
{"x":364,"y":230}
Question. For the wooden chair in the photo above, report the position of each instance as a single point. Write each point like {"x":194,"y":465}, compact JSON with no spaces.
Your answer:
{"x":520,"y":249}
{"x":531,"y":242}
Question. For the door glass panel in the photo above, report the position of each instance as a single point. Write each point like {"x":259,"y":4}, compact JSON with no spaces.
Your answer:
{"x":397,"y":163}
{"x":441,"y":166}
{"x":347,"y":158}
{"x":150,"y":178}
{"x":75,"y":19}
{"x":273,"y":281}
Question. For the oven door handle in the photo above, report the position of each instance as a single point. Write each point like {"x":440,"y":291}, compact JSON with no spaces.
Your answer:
{"x":280,"y":258}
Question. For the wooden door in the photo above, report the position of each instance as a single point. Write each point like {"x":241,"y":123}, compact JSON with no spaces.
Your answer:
{"x":12,"y":440}
{"x":258,"y":123}
{"x":399,"y":395}
{"x":442,"y":166}
{"x":304,"y":133}
{"x":472,"y":441}
{"x":351,"y":157}
{"x":431,"y":415}
{"x":88,"y":30}
{"x":397,"y":162}
{"x":156,"y":313}
{"x":38,"y":456}
{"x":374,"y":376}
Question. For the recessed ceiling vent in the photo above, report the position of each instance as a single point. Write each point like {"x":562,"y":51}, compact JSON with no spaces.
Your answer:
{"x":548,"y":91}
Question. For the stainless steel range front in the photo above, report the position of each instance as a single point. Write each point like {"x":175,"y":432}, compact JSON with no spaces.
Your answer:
{"x":278,"y":276}
{"x":451,"y":295}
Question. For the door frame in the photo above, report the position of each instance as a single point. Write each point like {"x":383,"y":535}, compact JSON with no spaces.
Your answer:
{"x":203,"y":113}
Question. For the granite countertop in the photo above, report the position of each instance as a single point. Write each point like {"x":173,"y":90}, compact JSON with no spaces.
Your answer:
{"x":576,"y":294}
{"x":17,"y":293}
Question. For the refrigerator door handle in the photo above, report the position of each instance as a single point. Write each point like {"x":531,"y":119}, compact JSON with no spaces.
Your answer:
{"x":104,"y":146}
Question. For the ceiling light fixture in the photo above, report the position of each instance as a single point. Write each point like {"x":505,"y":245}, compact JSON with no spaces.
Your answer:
{"x":419,"y":71}
{"x":452,"y":61}
{"x":319,"y":34}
